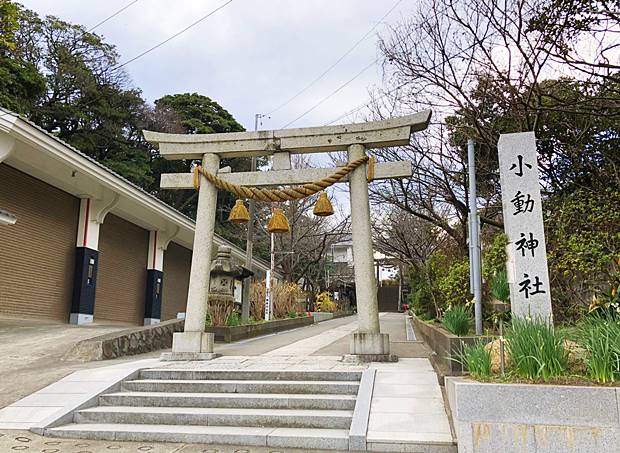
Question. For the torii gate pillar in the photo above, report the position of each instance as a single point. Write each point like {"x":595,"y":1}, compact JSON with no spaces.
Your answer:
{"x":194,"y":343}
{"x":367,"y":341}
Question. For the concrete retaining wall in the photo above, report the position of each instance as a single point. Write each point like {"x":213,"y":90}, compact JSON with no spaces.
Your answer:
{"x":447,"y":346}
{"x":320,"y":316}
{"x":507,"y":418}
{"x":230,"y":334}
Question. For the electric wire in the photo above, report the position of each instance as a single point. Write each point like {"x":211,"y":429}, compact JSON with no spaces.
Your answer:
{"x":193,"y":24}
{"x":372,"y":63}
{"x":387,"y":93}
{"x":112,"y":16}
{"x":357,"y":43}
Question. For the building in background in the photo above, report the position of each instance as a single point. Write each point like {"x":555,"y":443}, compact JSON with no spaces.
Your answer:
{"x":88,"y":245}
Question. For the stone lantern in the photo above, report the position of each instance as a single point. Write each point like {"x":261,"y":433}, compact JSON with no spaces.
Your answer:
{"x":223,"y":276}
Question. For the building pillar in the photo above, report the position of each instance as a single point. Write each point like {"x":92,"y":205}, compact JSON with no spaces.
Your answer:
{"x":92,"y":213}
{"x":194,"y":343}
{"x":154,"y":279}
{"x":367,"y":341}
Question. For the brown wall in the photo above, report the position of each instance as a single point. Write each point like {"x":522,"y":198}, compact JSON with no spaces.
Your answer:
{"x":37,"y":253}
{"x":121,"y":278}
{"x":177,"y":263}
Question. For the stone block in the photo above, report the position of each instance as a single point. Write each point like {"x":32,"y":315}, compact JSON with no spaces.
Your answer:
{"x":551,"y":439}
{"x":507,"y":438}
{"x":536,"y":404}
{"x":197,"y":342}
{"x":187,"y":356}
{"x":365,"y":343}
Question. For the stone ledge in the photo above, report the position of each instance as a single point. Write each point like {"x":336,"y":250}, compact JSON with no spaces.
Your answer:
{"x":546,"y":417}
{"x":534,"y":403}
{"x":126,"y":342}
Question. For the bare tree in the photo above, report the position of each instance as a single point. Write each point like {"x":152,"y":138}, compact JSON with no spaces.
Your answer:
{"x":301,"y":254}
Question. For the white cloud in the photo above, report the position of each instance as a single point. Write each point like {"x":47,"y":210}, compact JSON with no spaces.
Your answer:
{"x":251,"y":56}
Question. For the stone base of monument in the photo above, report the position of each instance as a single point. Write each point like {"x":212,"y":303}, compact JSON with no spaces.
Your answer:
{"x":187,"y":356}
{"x":367,"y":358}
{"x":371,"y":347}
{"x":191,"y":346}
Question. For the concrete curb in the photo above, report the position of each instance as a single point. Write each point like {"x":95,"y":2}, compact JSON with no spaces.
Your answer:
{"x":361,"y":413}
{"x":409,"y":328}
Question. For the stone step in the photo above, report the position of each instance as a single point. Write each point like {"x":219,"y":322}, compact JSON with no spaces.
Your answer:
{"x":241,"y":386}
{"x":286,"y":418}
{"x":229,"y":400}
{"x":251,"y":375}
{"x":320,"y":439}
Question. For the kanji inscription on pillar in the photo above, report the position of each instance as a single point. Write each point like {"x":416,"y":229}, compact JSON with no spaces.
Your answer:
{"x":527,"y":270}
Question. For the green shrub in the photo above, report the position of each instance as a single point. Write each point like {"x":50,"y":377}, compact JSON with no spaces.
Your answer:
{"x":477,"y":359}
{"x":536,"y":349}
{"x":500,"y":288}
{"x":600,"y":337}
{"x":233,"y":320}
{"x":457,"y":319}
{"x":494,"y":257}
{"x":454,"y":287}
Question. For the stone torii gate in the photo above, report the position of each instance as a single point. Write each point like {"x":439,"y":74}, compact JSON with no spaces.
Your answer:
{"x":194,"y":343}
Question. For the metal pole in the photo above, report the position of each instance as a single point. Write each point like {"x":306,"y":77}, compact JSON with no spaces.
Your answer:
{"x":474,"y":239}
{"x":249,"y":245}
{"x":271,"y":270}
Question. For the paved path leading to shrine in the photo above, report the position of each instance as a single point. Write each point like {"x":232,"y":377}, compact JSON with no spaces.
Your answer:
{"x":407,"y":407}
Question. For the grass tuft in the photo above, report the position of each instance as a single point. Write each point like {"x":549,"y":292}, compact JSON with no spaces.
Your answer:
{"x":600,"y":337}
{"x":536,"y":349}
{"x":457,"y":320}
{"x":477,"y":359}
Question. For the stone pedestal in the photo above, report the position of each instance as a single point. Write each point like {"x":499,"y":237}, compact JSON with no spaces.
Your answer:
{"x":191,"y":346}
{"x":371,"y":347}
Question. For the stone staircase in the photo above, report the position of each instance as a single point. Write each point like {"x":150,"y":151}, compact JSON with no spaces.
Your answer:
{"x":295,"y":409}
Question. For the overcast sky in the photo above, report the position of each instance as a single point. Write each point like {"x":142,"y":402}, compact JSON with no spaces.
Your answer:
{"x":251,"y":56}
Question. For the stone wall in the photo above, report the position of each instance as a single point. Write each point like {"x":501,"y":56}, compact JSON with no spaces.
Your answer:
{"x":126,"y":342}
{"x":507,"y":418}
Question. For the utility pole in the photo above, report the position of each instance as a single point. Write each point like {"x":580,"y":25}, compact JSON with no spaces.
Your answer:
{"x":474,"y":239}
{"x":245,"y":299}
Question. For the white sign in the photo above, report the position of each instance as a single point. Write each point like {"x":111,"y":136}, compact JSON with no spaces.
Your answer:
{"x":268,"y":296}
{"x":527,"y":270}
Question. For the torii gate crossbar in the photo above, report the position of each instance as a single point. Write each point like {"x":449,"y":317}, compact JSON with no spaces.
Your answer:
{"x":368,"y":342}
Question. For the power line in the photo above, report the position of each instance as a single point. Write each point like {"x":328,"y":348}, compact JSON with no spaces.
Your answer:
{"x":357,"y":43}
{"x":372,"y":63}
{"x":113,"y":15}
{"x":361,"y":106}
{"x":209,"y":14}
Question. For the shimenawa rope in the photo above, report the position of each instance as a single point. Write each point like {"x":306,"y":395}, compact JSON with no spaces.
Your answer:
{"x":291,"y":193}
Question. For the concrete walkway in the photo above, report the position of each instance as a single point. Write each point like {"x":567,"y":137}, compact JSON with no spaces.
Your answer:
{"x":406,"y":410}
{"x":33,"y":351}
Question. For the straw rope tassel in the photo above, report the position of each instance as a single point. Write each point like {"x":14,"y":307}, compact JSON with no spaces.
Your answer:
{"x":196,"y":178}
{"x":370,"y":172}
{"x":278,"y":222}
